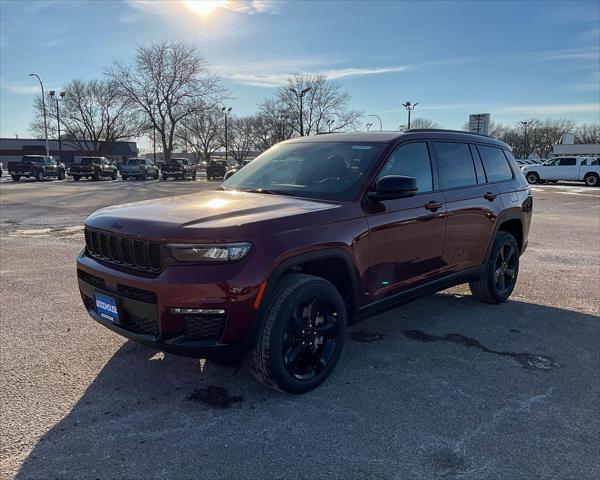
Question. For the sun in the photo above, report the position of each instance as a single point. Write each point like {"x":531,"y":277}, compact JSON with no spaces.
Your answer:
{"x":202,"y":7}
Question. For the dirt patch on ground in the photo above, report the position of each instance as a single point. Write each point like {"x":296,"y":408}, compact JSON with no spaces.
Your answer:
{"x":216,"y":397}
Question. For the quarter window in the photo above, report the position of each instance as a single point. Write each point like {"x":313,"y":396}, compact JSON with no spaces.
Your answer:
{"x":411,"y":160}
{"x":455,"y":165}
{"x":495,"y":164}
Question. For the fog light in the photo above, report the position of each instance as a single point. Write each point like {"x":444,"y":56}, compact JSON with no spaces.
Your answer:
{"x":197,"y":311}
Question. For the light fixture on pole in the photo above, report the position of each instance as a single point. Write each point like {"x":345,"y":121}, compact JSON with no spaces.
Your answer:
{"x":330,"y":122}
{"x":301,"y":96}
{"x":479,"y":117}
{"x":226,"y":111}
{"x":526,"y":124}
{"x":368,"y":125}
{"x":402,"y":127}
{"x":409,"y":108}
{"x":62,"y":96}
{"x":44,"y":109}
{"x":380,"y":122}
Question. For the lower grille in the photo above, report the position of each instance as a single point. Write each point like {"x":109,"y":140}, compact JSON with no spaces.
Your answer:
{"x":91,"y":279}
{"x":202,"y":327}
{"x":147,"y":326}
{"x":136,"y":294}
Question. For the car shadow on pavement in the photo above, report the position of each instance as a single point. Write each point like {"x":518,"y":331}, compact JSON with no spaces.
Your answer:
{"x":436,"y":388}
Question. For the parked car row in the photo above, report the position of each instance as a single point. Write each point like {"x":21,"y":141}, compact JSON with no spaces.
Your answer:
{"x":43,"y":167}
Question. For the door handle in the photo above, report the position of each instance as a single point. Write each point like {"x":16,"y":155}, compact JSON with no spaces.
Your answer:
{"x":490,"y":196}
{"x":433,"y":206}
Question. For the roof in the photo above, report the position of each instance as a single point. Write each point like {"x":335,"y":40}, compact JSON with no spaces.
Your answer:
{"x":390,"y":136}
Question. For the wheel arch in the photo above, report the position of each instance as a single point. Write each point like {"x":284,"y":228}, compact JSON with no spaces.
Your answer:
{"x":511,"y":223}
{"x":333,"y":264}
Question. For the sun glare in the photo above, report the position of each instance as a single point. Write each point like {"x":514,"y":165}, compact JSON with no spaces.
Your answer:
{"x":202,"y":7}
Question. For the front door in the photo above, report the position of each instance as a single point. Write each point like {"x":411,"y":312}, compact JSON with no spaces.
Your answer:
{"x":406,"y":235}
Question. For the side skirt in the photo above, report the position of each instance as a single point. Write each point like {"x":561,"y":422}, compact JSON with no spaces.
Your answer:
{"x":406,"y":296}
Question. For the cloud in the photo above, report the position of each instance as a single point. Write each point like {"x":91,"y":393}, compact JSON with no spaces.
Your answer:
{"x":254,"y":78}
{"x":23,"y":89}
{"x":574,"y":54}
{"x":550,"y":109}
{"x":178,"y":7}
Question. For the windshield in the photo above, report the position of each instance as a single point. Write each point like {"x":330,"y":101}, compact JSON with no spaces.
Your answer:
{"x":134,"y":162}
{"x":323,"y":170}
{"x":87,"y":161}
{"x":177,"y":160}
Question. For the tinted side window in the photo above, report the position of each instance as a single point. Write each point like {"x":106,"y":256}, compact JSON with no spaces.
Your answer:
{"x":567,"y":162}
{"x":495,"y":164}
{"x":455,"y":165}
{"x":411,"y":160}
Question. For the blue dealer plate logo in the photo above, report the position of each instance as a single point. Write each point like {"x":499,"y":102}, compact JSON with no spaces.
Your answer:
{"x":107,"y":308}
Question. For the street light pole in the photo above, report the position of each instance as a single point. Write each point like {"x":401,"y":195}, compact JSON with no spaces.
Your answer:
{"x":62,"y":95}
{"x":368,"y":125}
{"x":301,"y":96}
{"x":479,"y":117}
{"x":380,"y":122}
{"x":409,"y":108}
{"x":525,"y":124}
{"x":226,"y":111}
{"x":44,"y":108}
{"x":330,"y":122}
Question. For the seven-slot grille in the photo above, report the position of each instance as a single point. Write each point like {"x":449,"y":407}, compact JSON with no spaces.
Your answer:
{"x":125,"y":251}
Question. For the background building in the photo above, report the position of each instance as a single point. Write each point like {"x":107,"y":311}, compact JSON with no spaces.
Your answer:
{"x":12,"y":149}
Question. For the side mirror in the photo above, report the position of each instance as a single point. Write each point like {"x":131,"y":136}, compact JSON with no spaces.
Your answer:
{"x":393,"y":186}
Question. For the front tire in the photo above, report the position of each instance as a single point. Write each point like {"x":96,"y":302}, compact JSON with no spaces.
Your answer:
{"x":16,"y":178}
{"x":591,"y":180}
{"x":113,"y":176}
{"x":61,"y":175}
{"x":532,"y":178}
{"x":501,"y":270}
{"x":39,"y":176}
{"x":301,"y":335}
{"x":76,"y":178}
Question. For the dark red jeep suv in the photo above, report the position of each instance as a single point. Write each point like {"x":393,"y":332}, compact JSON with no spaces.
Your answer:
{"x":315,"y":233}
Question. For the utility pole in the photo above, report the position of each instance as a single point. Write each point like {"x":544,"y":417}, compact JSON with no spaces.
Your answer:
{"x":226,"y":111}
{"x":380,"y":122}
{"x":62,"y":95}
{"x":526,"y":124}
{"x":44,"y":108}
{"x":409,"y":108}
{"x":301,"y":96}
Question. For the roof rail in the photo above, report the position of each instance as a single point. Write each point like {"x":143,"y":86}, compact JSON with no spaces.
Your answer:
{"x":413,"y":130}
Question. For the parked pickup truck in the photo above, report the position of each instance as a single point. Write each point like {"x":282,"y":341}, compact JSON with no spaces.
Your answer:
{"x":216,"y":169}
{"x":39,"y":167}
{"x":139,"y":168}
{"x":178,"y":168}
{"x":94,"y":168}
{"x":578,"y":169}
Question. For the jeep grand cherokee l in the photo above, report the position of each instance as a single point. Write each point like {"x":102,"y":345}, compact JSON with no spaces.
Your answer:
{"x":315,"y":233}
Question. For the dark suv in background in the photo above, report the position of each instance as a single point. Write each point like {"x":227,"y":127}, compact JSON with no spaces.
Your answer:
{"x":315,"y":233}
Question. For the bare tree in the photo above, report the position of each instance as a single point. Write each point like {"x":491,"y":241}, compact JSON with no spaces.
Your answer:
{"x":202,"y":131}
{"x":167,"y":81}
{"x":240,"y":138}
{"x":588,"y":133}
{"x":272,"y":124}
{"x":423,"y":123}
{"x":92,"y":115}
{"x":324,"y":101}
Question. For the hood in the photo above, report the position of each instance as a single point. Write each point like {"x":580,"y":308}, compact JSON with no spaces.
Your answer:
{"x":207,"y":215}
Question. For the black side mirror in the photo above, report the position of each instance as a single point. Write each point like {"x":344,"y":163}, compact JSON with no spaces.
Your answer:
{"x":393,"y":186}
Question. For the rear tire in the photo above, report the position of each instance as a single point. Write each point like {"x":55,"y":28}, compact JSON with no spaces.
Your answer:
{"x":16,"y":178}
{"x":501,"y":271}
{"x":76,"y":178}
{"x":301,"y":335}
{"x":591,"y":180}
{"x":113,"y":176}
{"x":532,"y":178}
{"x":155,"y":176}
{"x":165,"y":177}
{"x":61,"y":175}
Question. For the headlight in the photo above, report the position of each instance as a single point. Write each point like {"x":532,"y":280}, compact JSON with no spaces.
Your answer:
{"x":230,"y":252}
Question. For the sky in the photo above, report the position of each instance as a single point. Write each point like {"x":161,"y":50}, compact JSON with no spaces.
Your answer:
{"x":515,"y":60}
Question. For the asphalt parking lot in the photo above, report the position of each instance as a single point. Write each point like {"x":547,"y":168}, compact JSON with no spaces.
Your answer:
{"x":444,"y":387}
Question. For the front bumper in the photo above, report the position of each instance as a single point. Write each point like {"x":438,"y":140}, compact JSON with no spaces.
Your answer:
{"x":145,"y":303}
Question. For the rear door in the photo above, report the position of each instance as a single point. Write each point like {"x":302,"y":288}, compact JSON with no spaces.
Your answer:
{"x":406,"y":235}
{"x":472,"y":204}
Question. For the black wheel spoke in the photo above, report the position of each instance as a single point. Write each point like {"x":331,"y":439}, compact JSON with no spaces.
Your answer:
{"x":294,"y":355}
{"x":329,"y":328}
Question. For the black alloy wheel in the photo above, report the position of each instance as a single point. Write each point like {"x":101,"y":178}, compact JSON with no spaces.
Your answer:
{"x":505,"y":268}
{"x":310,"y":338}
